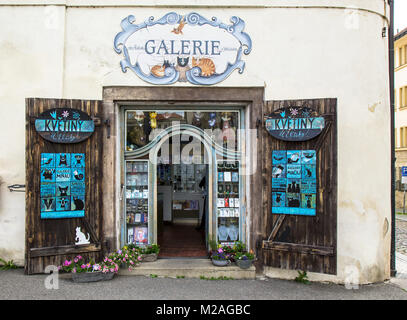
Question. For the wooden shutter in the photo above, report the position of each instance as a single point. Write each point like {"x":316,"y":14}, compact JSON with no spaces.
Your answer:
{"x":304,"y":242}
{"x":50,"y":241}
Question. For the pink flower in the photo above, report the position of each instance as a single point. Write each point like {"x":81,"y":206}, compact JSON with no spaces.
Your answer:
{"x":65,"y":114}
{"x":74,"y":270}
{"x":220,"y":250}
{"x":76,"y":260}
{"x":131,"y":262}
{"x":83,"y":266}
{"x":129,"y":268}
{"x":139,"y":258}
{"x":111,"y":269}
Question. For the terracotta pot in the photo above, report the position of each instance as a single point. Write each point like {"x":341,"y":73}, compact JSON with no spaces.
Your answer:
{"x":92,"y":276}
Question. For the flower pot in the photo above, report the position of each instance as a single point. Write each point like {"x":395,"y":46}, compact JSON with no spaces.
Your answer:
{"x":150,"y":257}
{"x":92,"y":276}
{"x":244,"y":264}
{"x":220,"y":263}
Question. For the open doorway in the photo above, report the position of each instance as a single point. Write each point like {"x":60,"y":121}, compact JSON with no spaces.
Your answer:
{"x":181,"y":210}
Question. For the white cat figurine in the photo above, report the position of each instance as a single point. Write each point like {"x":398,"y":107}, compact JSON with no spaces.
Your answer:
{"x":80,"y":237}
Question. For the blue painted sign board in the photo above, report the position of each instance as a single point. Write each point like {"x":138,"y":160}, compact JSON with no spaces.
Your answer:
{"x":294,"y":124}
{"x":64,"y":125}
{"x":294,"y":183}
{"x":62,"y":185}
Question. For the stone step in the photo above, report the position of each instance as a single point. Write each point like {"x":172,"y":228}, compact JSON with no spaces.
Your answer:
{"x":188,"y":268}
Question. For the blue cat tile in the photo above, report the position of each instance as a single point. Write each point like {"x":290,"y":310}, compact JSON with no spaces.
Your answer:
{"x":78,"y":160}
{"x":63,"y":160}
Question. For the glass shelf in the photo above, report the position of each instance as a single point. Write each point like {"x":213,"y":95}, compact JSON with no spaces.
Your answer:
{"x":137,"y":202}
{"x":228,"y":202}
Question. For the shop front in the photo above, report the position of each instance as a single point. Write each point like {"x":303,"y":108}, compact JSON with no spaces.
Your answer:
{"x":194,"y":126}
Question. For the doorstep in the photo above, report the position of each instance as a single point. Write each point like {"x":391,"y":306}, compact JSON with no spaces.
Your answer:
{"x":189,"y":268}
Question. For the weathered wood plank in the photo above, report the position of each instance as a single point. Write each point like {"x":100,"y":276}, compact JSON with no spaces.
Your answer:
{"x":63,"y":250}
{"x":299,"y":248}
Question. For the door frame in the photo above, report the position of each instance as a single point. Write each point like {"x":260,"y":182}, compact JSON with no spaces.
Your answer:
{"x":251,"y":97}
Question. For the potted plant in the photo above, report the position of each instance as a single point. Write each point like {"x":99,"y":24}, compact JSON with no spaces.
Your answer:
{"x":83,"y":271}
{"x":150,"y":253}
{"x":127,"y":257}
{"x":244,"y":259}
{"x":220,"y":258}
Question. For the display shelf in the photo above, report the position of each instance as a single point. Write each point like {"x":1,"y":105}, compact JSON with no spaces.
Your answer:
{"x":137,"y":202}
{"x":228,"y":201}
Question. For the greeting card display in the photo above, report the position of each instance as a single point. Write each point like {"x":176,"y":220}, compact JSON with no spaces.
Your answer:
{"x":62,"y":185}
{"x":294,"y":183}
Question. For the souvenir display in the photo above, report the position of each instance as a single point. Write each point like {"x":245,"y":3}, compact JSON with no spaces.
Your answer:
{"x":153,"y":120}
{"x":137,"y":201}
{"x":294,"y":182}
{"x":212,"y":120}
{"x":136,"y":134}
{"x":228,"y":202}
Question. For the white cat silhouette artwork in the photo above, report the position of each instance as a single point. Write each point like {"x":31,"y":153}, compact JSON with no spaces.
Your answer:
{"x":80,"y":237}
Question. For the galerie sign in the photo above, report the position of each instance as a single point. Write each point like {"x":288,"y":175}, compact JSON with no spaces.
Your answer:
{"x":64,"y":125}
{"x":185,"y":48}
{"x":294,"y":124}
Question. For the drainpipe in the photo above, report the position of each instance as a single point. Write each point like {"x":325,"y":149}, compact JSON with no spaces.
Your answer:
{"x":393,"y":270}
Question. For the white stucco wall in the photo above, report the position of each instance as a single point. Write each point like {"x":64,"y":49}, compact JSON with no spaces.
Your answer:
{"x":301,"y":49}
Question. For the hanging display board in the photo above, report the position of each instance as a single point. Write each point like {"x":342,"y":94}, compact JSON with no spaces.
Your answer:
{"x":62,"y":185}
{"x":64,"y":125}
{"x":294,"y":183}
{"x":294,"y":124}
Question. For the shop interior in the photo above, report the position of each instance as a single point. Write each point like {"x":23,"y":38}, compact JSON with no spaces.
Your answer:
{"x":181,"y":182}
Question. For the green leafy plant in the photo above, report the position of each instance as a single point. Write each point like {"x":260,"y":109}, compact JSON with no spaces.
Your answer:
{"x":213,"y":244}
{"x":180,"y":277}
{"x":153,"y":276}
{"x":244,"y":255}
{"x":239,"y":246}
{"x":302,"y":277}
{"x":7,"y":265}
{"x":145,"y":249}
{"x":152,"y":248}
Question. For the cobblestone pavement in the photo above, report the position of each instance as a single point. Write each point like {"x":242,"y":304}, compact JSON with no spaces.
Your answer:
{"x":401,"y":236}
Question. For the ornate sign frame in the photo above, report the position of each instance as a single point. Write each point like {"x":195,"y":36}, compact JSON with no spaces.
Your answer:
{"x":186,"y":50}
